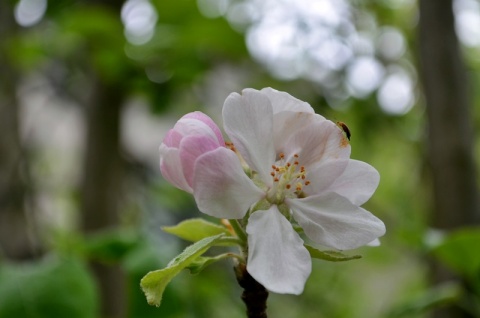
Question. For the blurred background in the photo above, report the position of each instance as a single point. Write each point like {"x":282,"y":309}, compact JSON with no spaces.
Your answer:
{"x":88,"y":89}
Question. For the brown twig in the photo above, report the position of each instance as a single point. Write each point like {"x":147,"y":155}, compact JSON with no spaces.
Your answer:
{"x":254,"y":294}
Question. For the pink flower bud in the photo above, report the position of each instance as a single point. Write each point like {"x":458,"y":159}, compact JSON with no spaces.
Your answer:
{"x":192,"y":136}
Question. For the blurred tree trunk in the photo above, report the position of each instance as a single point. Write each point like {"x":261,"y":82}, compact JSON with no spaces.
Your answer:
{"x":103,"y":176}
{"x":450,"y":133}
{"x":15,"y":242}
{"x":102,"y":187}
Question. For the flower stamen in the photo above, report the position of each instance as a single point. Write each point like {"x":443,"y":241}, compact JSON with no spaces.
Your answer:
{"x":289,"y":179}
{"x":230,"y":146}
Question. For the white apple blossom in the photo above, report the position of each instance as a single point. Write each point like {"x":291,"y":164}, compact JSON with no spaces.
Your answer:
{"x":289,"y":165}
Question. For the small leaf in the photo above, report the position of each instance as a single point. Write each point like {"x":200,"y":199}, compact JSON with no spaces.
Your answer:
{"x":196,"y":229}
{"x":153,"y":284}
{"x":331,"y":256}
{"x":202,"y":262}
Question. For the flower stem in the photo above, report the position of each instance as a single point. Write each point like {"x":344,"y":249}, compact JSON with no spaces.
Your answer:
{"x":239,"y":230}
{"x":254,"y":294}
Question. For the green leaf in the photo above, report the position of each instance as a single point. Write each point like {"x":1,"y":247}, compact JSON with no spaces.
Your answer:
{"x":458,"y":251}
{"x":196,"y":229}
{"x":202,"y":262}
{"x":331,"y":256}
{"x":153,"y":284}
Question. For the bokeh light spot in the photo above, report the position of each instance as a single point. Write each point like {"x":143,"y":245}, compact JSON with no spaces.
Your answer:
{"x":395,"y":96}
{"x":30,"y":12}
{"x":467,"y":22}
{"x":391,"y":43}
{"x":364,"y":76}
{"x":139,"y":18}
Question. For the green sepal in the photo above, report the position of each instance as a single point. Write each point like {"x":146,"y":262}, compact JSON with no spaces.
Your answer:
{"x":202,"y":262}
{"x":195,"y":230}
{"x":331,"y":256}
{"x":153,"y":284}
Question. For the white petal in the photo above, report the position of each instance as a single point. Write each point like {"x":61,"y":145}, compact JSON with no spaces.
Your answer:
{"x":248,"y":120}
{"x":357,"y":183}
{"x":282,"y":101}
{"x":220,"y":186}
{"x":332,"y":220}
{"x":172,"y":169}
{"x":374,"y":243}
{"x":318,"y":142}
{"x":322,"y":176}
{"x":286,"y":123}
{"x":277,"y":258}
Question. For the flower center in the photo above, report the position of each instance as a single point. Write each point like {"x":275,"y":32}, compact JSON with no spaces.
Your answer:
{"x":289,"y":179}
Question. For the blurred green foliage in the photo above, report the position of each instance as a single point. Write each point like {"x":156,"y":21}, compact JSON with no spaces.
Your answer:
{"x":53,"y":287}
{"x":457,"y":252}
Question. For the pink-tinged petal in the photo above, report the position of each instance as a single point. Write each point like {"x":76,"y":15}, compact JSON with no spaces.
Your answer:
{"x":282,"y":101}
{"x":248,"y":120}
{"x":209,"y":122}
{"x":333,"y":221}
{"x":221,"y":187}
{"x":172,"y":169}
{"x":316,"y":143}
{"x":172,"y":138}
{"x":277,"y":258}
{"x":357,"y":183}
{"x":186,"y":126}
{"x":191,"y":148}
{"x":322,"y":176}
